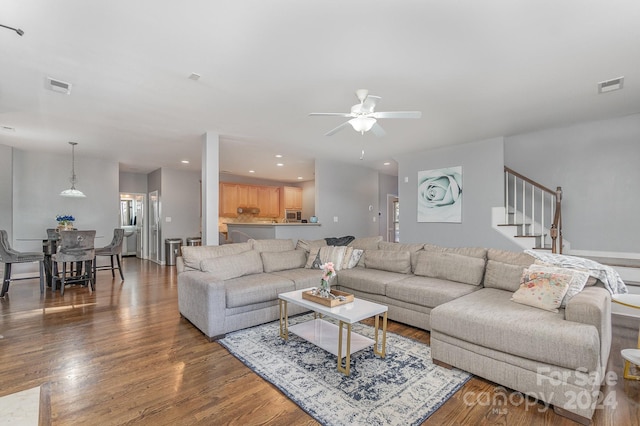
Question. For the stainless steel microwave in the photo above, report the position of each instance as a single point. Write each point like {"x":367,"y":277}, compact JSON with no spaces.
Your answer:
{"x":293,"y":215}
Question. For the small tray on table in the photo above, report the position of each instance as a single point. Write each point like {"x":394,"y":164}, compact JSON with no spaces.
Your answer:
{"x":325,"y":301}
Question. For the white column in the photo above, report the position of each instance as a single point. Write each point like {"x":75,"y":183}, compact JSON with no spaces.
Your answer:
{"x":210,"y":188}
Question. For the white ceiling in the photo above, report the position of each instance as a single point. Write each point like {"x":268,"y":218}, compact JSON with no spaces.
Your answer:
{"x":476,"y":69}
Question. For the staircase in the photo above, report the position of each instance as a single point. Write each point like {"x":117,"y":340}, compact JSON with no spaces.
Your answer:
{"x":532,"y":213}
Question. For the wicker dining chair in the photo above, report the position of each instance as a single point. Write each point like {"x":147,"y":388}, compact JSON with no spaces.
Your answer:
{"x":9,"y":256}
{"x":75,"y":247}
{"x":112,"y":250}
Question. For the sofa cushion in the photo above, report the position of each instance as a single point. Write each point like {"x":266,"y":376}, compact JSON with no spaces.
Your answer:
{"x":414,"y":249}
{"x":366,"y":280}
{"x":273,"y":261}
{"x":489,"y":318}
{"x":233,"y":265}
{"x":544,"y":290}
{"x":193,"y":255}
{"x":392,"y":261}
{"x":351,"y":257}
{"x":303,"y":278}
{"x":367,"y":243}
{"x":579,"y":279}
{"x":257,"y":288}
{"x":308,"y":245}
{"x":428,"y":292}
{"x":504,"y":269}
{"x":450,"y":266}
{"x":479,"y":252}
{"x":272,"y":245}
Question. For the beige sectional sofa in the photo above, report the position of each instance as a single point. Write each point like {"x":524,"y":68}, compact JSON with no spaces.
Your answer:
{"x":462,"y":295}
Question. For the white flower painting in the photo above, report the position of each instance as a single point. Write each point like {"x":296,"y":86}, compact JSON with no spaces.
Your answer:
{"x":440,"y":195}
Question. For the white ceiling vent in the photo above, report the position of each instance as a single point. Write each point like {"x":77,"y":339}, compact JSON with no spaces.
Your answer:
{"x":58,"y":85}
{"x":610,"y":85}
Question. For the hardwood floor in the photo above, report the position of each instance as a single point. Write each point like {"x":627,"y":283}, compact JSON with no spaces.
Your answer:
{"x":123,"y":355}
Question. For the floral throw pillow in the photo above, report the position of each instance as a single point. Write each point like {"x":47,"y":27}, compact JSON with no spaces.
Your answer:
{"x":544,"y":290}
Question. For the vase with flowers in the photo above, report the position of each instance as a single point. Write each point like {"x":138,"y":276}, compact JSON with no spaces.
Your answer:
{"x":325,"y":286}
{"x":65,"y":222}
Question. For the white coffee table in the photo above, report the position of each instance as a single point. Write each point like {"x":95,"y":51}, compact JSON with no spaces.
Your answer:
{"x":631,"y":356}
{"x":330,"y":337}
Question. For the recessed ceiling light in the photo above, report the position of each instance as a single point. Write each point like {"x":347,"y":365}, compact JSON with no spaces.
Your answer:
{"x":300,"y":178}
{"x":185,"y":161}
{"x":278,"y":155}
{"x":194,"y":76}
{"x":252,"y":171}
{"x":279,"y":164}
{"x":386,"y":163}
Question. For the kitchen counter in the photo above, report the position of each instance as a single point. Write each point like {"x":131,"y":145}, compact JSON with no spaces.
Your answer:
{"x":263,"y":231}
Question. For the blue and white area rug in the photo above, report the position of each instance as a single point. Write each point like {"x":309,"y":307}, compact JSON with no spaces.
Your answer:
{"x":404,"y":388}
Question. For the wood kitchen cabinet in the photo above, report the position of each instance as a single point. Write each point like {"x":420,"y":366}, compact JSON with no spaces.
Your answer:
{"x":228,"y":200}
{"x":248,"y":196}
{"x":269,"y":201}
{"x":292,"y":197}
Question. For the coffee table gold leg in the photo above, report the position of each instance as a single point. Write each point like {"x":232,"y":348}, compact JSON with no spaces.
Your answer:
{"x":284,"y":319}
{"x":383,"y":351}
{"x":627,"y":366}
{"x":346,"y":369}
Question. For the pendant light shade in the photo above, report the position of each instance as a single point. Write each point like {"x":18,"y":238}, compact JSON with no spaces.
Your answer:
{"x":73,"y":192}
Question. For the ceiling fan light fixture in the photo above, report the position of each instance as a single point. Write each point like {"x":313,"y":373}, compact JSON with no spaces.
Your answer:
{"x":362,"y":124}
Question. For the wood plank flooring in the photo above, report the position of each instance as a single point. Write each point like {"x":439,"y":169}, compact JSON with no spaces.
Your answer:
{"x":123,"y":355}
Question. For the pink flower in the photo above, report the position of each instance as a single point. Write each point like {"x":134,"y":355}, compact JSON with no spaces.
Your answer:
{"x":327,"y":270}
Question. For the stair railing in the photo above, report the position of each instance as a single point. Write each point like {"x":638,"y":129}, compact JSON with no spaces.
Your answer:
{"x":533,"y":207}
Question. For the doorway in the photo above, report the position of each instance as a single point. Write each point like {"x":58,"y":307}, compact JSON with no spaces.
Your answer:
{"x":154,"y":227}
{"x":393,"y":219}
{"x":133,"y":221}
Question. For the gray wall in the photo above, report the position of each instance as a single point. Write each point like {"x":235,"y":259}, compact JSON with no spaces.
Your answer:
{"x":308,"y":199}
{"x":597,"y":164}
{"x":135,"y":183}
{"x":6,"y":190}
{"x":181,"y":203}
{"x":482,"y":189}
{"x":388,"y":185}
{"x":38,"y":179}
{"x":346,"y":191}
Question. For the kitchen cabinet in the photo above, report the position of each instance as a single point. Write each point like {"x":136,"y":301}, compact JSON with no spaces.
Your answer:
{"x":292,"y":197}
{"x":269,"y":201}
{"x":248,"y":196}
{"x":228,"y":200}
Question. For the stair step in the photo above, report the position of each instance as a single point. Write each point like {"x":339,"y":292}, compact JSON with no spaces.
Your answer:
{"x":514,"y":224}
{"x":528,"y":236}
{"x":615,"y":261}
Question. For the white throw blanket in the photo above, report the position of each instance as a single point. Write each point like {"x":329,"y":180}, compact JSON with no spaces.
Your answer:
{"x":609,"y":276}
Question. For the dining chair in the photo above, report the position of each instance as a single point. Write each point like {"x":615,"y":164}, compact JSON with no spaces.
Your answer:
{"x":114,"y":249}
{"x":75,"y":247}
{"x":9,"y":256}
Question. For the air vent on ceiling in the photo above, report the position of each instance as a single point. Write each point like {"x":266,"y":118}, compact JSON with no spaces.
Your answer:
{"x":58,"y":85}
{"x":610,"y":85}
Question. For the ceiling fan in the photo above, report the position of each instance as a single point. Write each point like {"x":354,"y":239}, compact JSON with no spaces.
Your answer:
{"x":363,"y":117}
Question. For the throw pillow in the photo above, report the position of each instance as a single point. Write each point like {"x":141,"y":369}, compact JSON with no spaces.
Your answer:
{"x":367,"y":243}
{"x":578,"y":279}
{"x":503,"y":276}
{"x":542,"y":290}
{"x":314,"y":255}
{"x":234,"y":265}
{"x":308,"y":245}
{"x":414,"y":249}
{"x":334,"y":254}
{"x":450,"y":266}
{"x":339,"y":241}
{"x":283,"y":260}
{"x":353,"y":260}
{"x":392,"y":261}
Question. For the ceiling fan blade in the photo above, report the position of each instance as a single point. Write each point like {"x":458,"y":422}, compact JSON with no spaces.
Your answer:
{"x":334,"y":114}
{"x":370,"y":103}
{"x":398,"y":114}
{"x":378,"y":130}
{"x":337,"y":129}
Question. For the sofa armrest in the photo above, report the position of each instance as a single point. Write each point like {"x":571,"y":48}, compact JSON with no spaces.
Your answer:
{"x":593,"y":306}
{"x":202,"y":300}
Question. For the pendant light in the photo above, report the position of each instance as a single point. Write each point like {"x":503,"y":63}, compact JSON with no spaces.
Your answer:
{"x":73,"y":192}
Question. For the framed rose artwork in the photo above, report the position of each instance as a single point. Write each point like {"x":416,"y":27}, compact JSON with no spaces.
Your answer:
{"x":440,"y":195}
